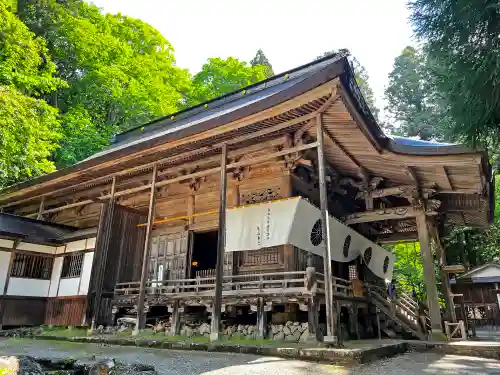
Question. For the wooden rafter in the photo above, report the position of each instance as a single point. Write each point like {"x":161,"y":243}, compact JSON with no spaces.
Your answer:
{"x":342,"y":149}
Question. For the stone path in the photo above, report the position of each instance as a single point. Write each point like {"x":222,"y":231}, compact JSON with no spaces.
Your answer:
{"x":173,"y":362}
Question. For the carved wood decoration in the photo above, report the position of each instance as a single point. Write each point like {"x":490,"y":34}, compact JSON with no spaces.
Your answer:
{"x":261,"y":195}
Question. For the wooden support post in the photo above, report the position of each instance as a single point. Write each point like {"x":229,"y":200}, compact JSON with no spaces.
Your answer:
{"x":429,"y":276}
{"x":175,"y":322}
{"x":103,"y":248}
{"x":448,"y":294}
{"x":40,"y":209}
{"x":261,"y":319}
{"x":314,"y":334}
{"x":325,"y":230}
{"x":221,"y":246}
{"x":7,"y":280}
{"x":141,"y":316}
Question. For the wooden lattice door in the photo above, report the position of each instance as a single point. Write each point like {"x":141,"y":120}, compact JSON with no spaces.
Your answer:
{"x":169,"y":257}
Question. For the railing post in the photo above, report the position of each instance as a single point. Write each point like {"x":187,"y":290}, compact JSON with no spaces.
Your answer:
{"x":325,"y":230}
{"x":221,"y":245}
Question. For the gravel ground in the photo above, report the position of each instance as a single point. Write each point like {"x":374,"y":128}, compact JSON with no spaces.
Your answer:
{"x":173,"y":362}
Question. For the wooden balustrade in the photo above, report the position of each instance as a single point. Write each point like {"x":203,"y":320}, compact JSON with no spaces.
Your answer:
{"x":262,"y":284}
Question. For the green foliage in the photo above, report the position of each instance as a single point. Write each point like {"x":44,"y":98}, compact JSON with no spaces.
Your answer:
{"x":24,"y":60}
{"x":261,"y":59}
{"x":408,"y":269}
{"x":461,"y":36}
{"x":30,"y":127}
{"x":413,"y":101}
{"x":219,"y":77}
{"x":121,"y":70}
{"x":28,"y":135}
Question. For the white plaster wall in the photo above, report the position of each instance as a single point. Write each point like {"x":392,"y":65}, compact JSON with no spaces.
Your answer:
{"x":4,"y":268}
{"x":86,"y":272}
{"x":36,"y":248}
{"x":68,"y":287}
{"x":56,"y":274}
{"x":28,"y":287}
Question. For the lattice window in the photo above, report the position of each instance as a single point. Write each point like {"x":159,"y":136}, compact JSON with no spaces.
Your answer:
{"x":31,"y":266}
{"x":260,"y":257}
{"x":353,"y":272}
{"x":72,"y":265}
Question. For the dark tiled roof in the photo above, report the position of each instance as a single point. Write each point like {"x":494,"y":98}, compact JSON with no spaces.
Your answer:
{"x":33,"y":230}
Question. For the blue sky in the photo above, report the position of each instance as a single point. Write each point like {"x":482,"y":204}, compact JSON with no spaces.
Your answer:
{"x":290,"y":32}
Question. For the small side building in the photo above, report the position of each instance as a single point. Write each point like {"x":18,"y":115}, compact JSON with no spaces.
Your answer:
{"x":45,"y":271}
{"x":480,"y":292}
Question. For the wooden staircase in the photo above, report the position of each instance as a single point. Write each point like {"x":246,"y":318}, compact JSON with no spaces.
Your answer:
{"x":401,"y":313}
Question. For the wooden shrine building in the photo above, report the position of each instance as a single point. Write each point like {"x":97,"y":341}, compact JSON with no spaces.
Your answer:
{"x":136,"y":227}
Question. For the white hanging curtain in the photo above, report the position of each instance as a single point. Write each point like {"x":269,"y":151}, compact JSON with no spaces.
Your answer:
{"x":296,"y":222}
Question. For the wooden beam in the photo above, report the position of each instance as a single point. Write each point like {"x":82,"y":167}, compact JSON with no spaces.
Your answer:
{"x":412,"y":174}
{"x":386,"y":192}
{"x":207,"y":172}
{"x":40,"y":209}
{"x":402,"y":189}
{"x":325,"y":230}
{"x":171,"y":159}
{"x":221,"y":247}
{"x":384,"y":214}
{"x":397,"y":237}
{"x":449,"y":185}
{"x":141,"y":318}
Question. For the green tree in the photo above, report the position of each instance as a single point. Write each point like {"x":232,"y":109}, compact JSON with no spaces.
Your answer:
{"x":29,"y":128}
{"x":219,"y":77}
{"x":461,"y":36}
{"x":121,"y":70}
{"x":261,"y":59}
{"x":361,"y":76}
{"x":408,"y":270}
{"x":413,"y":100}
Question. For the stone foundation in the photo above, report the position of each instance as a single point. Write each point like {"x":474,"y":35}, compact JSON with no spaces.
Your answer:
{"x":290,"y":331}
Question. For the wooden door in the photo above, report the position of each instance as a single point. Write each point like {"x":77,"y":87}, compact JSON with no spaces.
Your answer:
{"x":169,"y":257}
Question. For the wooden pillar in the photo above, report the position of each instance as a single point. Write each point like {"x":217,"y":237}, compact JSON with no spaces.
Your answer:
{"x":221,"y":246}
{"x":7,"y":280}
{"x":141,"y":316}
{"x":429,"y":275}
{"x":448,"y":294}
{"x":175,"y":323}
{"x":325,"y":229}
{"x":104,"y":237}
{"x":261,"y":319}
{"x":41,"y":208}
